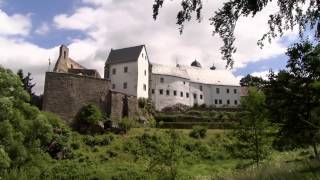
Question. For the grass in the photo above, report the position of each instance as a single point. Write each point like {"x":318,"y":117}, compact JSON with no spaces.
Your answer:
{"x":208,"y":158}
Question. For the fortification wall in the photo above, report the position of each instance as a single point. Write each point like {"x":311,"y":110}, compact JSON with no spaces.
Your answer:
{"x":65,"y":94}
{"x":122,"y":105}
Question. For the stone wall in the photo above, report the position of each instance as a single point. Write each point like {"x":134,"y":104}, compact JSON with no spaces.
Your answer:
{"x":122,"y":105}
{"x":65,"y":94}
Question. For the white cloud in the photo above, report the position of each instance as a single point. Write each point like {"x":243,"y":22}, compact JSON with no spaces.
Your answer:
{"x":16,"y":24}
{"x":30,"y":58}
{"x":82,"y":19}
{"x":262,"y":74}
{"x":42,"y":29}
{"x":116,"y":24}
{"x":97,"y":2}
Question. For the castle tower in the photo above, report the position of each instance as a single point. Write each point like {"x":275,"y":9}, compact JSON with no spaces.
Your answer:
{"x":62,"y":62}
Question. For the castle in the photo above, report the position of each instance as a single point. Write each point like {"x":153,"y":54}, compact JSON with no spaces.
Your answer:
{"x":129,"y":75}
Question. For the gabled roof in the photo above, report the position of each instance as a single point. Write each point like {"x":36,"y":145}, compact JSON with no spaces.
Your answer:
{"x":74,"y":62}
{"x":169,"y":71}
{"x":124,"y":55}
{"x":197,"y":75}
{"x":85,"y":72}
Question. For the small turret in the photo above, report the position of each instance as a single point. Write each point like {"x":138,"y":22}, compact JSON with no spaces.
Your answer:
{"x":195,"y":63}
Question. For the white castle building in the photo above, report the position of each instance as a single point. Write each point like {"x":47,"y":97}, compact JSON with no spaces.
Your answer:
{"x":131,"y":72}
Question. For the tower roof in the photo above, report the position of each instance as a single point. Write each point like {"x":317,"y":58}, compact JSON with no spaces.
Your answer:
{"x":124,"y":55}
{"x":195,"y":63}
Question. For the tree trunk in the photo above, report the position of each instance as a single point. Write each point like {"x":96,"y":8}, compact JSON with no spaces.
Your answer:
{"x":315,"y":150}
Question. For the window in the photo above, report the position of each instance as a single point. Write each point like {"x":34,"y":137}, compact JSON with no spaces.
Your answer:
{"x":201,"y":97}
{"x":217,"y":90}
{"x":168,"y":92}
{"x":220,"y":101}
{"x":200,"y":87}
{"x":187,"y":95}
{"x":152,"y":91}
{"x":125,"y":69}
{"x":235,"y":91}
{"x":161,"y":91}
{"x":114,"y":71}
{"x":181,"y":94}
{"x":113,"y":86}
{"x":175,"y":93}
{"x":125,"y":85}
{"x":216,"y":101}
{"x":64,"y":54}
{"x":145,"y":72}
{"x":71,"y":66}
{"x":228,"y":101}
{"x":162,"y":80}
{"x":228,"y":91}
{"x":184,"y":83}
{"x":195,"y":96}
{"x":144,"y":87}
{"x":142,"y":55}
{"x":235,"y":102}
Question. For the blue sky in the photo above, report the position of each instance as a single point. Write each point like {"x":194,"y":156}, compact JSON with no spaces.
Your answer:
{"x":32,"y":31}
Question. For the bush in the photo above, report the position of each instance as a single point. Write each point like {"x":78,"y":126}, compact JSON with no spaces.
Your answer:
{"x":101,"y":140}
{"x":166,"y":118}
{"x":90,"y":114}
{"x":5,"y":160}
{"x":198,"y":132}
{"x":75,"y":146}
{"x":126,"y":124}
{"x":142,"y":102}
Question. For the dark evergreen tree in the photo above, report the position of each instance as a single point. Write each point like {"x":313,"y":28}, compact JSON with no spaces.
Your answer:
{"x":28,"y":86}
{"x":293,"y":97}
{"x":252,"y":81}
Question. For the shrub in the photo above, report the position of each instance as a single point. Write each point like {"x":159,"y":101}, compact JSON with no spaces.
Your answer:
{"x":195,"y":113}
{"x":126,"y":124}
{"x":90,"y":114}
{"x":198,"y":132}
{"x":142,"y":102}
{"x":5,"y":160}
{"x":203,"y":106}
{"x":152,"y":122}
{"x":75,"y":145}
{"x":166,"y":118}
{"x":102,"y":140}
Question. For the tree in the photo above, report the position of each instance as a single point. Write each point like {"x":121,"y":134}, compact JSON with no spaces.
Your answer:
{"x":25,"y":130}
{"x":252,"y":81}
{"x":293,"y":97}
{"x":27,"y":81}
{"x":253,"y":136}
{"x":28,"y":86}
{"x":291,"y":13}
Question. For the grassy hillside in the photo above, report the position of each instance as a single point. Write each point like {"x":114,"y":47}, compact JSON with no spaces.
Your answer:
{"x":141,"y":154}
